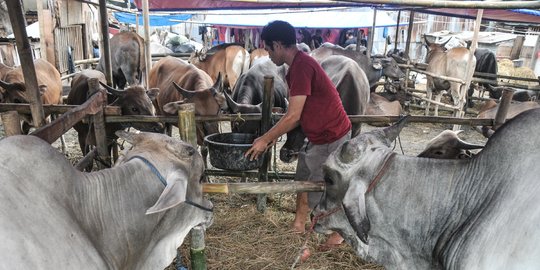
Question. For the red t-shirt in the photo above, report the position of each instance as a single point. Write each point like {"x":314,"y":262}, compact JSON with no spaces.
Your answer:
{"x":323,"y":118}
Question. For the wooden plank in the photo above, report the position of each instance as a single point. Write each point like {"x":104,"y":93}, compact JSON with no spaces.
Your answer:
{"x":53,"y":109}
{"x":52,"y":131}
{"x":264,"y":187}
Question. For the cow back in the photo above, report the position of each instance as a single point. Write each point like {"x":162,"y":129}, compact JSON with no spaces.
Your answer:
{"x":228,"y":59}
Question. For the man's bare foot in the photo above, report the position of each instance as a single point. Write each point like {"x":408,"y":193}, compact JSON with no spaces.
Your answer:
{"x":298,"y":227}
{"x":334,"y":241}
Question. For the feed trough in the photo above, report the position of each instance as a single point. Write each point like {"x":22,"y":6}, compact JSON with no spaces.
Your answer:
{"x":227,"y":151}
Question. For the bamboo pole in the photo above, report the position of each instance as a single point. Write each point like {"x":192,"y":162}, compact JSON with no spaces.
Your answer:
{"x":372,"y":33}
{"x":106,"y":48}
{"x":451,"y":4}
{"x":187,"y":131}
{"x":396,"y":40}
{"x":12,"y":123}
{"x":264,"y":187}
{"x":17,"y":19}
{"x":148,"y":57}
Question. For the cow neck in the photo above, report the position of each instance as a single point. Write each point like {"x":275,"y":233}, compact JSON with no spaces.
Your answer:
{"x":381,"y":172}
{"x":164,"y":182}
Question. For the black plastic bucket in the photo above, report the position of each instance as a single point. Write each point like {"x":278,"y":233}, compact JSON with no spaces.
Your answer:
{"x":227,"y":151}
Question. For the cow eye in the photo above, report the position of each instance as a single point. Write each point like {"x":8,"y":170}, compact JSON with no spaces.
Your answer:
{"x":135,"y":110}
{"x":328,"y":180}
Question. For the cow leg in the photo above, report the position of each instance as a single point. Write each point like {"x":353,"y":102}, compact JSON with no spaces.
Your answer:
{"x":429,"y":94}
{"x":438,"y":99}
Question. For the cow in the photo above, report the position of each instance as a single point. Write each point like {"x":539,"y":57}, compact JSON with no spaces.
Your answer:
{"x":127,"y":59}
{"x":421,"y":213}
{"x":490,"y":108}
{"x":3,"y":71}
{"x":228,"y":59}
{"x":486,"y":62}
{"x":447,"y":145}
{"x":248,"y":94}
{"x":134,"y":100}
{"x":353,"y":88}
{"x":379,"y":105}
{"x":131,"y":216}
{"x":450,"y":63}
{"x":303,"y":47}
{"x":180,"y":82}
{"x":373,"y":68}
{"x":13,"y":87}
{"x":257,"y":54}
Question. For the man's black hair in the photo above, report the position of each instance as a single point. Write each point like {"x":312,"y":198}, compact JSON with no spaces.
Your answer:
{"x":280,"y":31}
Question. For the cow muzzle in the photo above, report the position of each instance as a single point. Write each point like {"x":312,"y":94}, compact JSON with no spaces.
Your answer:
{"x":288,"y":155}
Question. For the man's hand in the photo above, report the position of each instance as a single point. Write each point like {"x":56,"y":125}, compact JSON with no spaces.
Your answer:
{"x":260,"y":145}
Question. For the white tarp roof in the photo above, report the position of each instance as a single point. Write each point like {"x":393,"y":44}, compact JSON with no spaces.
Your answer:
{"x":333,"y":18}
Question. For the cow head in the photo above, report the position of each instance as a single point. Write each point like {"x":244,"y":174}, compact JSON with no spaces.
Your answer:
{"x":135,"y":100}
{"x":179,"y":163}
{"x":209,"y":101}
{"x":16,"y":92}
{"x":239,"y":125}
{"x":348,"y":172}
{"x":390,"y":68}
{"x":447,"y":145}
{"x":295,"y":140}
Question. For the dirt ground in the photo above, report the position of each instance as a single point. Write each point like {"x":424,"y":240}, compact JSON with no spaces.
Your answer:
{"x":244,"y":238}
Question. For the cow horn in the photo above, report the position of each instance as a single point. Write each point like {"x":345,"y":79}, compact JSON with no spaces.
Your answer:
{"x":185,"y":93}
{"x":465,"y":145}
{"x":233,"y":106}
{"x":348,"y":152}
{"x":393,"y":131}
{"x":218,"y":85}
{"x":111,"y":90}
{"x":426,"y":41}
{"x":6,"y":85}
{"x":444,"y":43}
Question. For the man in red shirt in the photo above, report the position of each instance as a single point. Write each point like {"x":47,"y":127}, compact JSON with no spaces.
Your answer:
{"x":315,"y":105}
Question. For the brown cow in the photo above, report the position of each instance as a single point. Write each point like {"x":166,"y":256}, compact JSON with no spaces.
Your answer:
{"x":450,"y":63}
{"x":490,"y":107}
{"x":3,"y":71}
{"x":379,"y":105}
{"x":13,"y":88}
{"x":192,"y":86}
{"x":127,"y":59}
{"x":447,"y":145}
{"x":257,"y":54}
{"x":135,"y":100}
{"x":228,"y":59}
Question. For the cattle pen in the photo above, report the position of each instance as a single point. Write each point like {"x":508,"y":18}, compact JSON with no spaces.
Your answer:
{"x":96,"y":111}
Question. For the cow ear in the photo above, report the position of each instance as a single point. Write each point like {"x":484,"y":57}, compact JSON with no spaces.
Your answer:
{"x":377,"y":65}
{"x":153,"y":93}
{"x":130,"y":137}
{"x":42,"y":89}
{"x":172,"y":107}
{"x":174,"y":193}
{"x":219,"y":83}
{"x":393,"y":131}
{"x":354,"y":204}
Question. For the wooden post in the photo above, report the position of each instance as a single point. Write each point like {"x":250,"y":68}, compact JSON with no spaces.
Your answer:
{"x":257,"y":188}
{"x":469,"y":70}
{"x":516,"y":48}
{"x":98,"y":120}
{"x":12,"y":123}
{"x":266,"y":118}
{"x":187,"y":131}
{"x":500,"y":116}
{"x":147,"y":55}
{"x":396,"y":40}
{"x":372,"y":34}
{"x":106,"y":48}
{"x":16,"y":16}
{"x":186,"y":123}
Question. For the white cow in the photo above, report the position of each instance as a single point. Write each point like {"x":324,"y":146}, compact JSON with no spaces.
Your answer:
{"x":132,"y":216}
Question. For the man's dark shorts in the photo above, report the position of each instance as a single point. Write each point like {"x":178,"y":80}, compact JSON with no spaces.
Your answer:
{"x":310,"y":160}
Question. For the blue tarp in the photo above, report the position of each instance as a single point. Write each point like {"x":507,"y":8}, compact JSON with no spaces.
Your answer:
{"x":155,"y":20}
